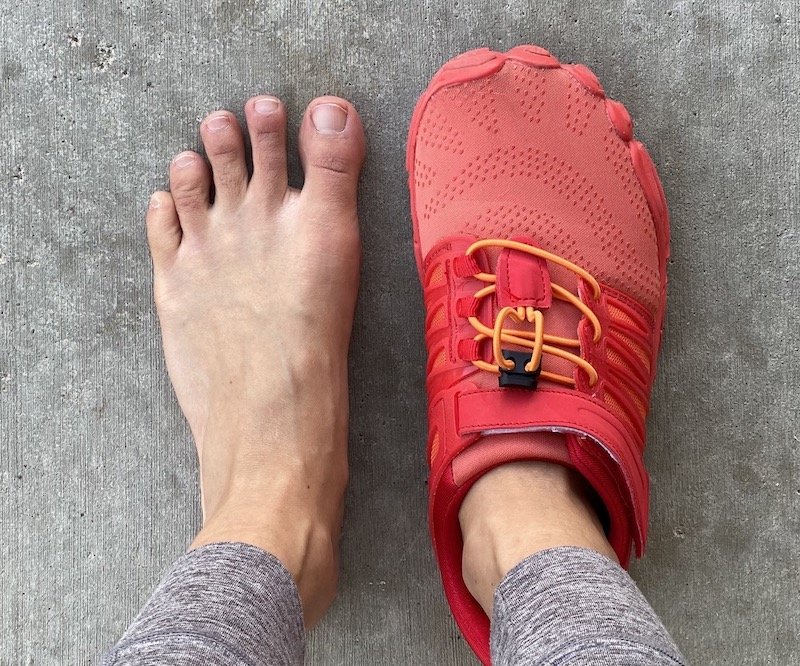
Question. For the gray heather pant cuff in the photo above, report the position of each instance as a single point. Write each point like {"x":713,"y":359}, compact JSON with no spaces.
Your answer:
{"x":222,"y":604}
{"x":574,"y":606}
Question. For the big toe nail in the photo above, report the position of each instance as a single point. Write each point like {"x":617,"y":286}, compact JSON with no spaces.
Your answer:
{"x":332,"y":148}
{"x":329,"y":118}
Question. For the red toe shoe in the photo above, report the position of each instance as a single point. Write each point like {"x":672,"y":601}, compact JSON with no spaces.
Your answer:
{"x":541,"y":236}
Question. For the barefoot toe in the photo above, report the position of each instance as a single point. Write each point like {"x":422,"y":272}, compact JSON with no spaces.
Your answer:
{"x":190,"y":184}
{"x":163,"y":228}
{"x":222,"y":139}
{"x":332,"y":149}
{"x":266,"y":123}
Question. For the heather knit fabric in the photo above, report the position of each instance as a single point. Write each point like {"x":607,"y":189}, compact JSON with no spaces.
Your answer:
{"x":222,"y":604}
{"x":574,"y":606}
{"x":232,"y":603}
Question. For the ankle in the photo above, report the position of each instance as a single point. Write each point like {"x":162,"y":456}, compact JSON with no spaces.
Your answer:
{"x":292,"y":518}
{"x":518,"y":510}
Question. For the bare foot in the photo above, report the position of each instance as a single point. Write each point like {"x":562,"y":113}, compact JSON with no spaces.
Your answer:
{"x":255,"y":294}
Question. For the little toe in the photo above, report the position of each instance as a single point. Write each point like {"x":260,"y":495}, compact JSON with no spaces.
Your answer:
{"x":332,"y":147}
{"x":266,"y":123}
{"x":163,"y":228}
{"x":190,"y":185}
{"x":222,"y":138}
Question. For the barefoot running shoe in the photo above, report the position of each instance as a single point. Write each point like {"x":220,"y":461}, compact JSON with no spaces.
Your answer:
{"x":541,"y":236}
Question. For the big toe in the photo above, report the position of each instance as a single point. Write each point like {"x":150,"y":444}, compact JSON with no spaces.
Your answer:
{"x":332,"y":148}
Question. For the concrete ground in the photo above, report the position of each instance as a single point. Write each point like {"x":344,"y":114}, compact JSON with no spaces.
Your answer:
{"x":98,"y":484}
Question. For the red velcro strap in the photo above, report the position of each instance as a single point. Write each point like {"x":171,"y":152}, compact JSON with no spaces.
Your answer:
{"x":560,"y":410}
{"x":523,"y":279}
{"x":465,"y":266}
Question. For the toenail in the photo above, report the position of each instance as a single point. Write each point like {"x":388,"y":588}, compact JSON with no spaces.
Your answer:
{"x":217,"y":123}
{"x":329,"y":118}
{"x":266,"y":105}
{"x":183,"y":160}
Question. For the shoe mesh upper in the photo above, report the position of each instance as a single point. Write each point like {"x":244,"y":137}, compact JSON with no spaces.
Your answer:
{"x":532,"y":151}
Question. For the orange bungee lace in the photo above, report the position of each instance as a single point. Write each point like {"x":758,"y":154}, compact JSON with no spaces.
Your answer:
{"x":536,"y":340}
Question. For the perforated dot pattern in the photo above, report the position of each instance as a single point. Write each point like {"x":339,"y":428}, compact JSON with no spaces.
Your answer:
{"x":541,"y":153}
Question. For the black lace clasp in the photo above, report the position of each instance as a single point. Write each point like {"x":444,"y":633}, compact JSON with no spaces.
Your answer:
{"x":518,"y":376}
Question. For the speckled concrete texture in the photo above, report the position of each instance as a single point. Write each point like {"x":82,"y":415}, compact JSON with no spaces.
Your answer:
{"x":98,"y":485}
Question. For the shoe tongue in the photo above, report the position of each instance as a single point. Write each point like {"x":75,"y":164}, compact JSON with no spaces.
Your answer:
{"x":493,"y":450}
{"x":522,"y":280}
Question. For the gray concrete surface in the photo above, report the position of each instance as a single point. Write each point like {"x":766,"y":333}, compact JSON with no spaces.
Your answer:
{"x":98,"y":484}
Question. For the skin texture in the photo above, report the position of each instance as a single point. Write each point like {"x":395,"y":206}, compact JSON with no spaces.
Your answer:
{"x":255,"y":294}
{"x":255,"y":285}
{"x":517,"y":510}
